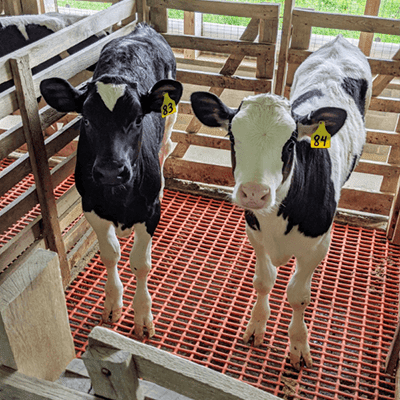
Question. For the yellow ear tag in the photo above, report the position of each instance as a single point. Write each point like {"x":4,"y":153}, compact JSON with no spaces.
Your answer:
{"x":321,"y":139}
{"x":168,"y":107}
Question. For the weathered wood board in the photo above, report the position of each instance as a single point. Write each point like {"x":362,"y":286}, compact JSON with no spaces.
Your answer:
{"x":35,"y":336}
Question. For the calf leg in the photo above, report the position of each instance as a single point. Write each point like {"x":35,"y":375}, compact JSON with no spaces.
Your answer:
{"x":110,"y":254}
{"x":299,"y":297}
{"x":140,"y":259}
{"x":263,"y":282}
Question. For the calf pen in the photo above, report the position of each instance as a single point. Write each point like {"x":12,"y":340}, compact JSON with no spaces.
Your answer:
{"x":202,"y":263}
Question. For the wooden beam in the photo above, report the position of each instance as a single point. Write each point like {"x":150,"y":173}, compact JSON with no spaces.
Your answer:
{"x":192,"y":25}
{"x":38,"y":158}
{"x":392,"y":358}
{"x":175,"y":373}
{"x":264,"y":11}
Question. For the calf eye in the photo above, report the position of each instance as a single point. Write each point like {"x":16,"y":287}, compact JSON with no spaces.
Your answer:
{"x":86,"y":122}
{"x":139,"y":119}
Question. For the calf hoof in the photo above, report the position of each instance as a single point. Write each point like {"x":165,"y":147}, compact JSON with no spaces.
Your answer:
{"x":139,"y":330}
{"x":256,"y":330}
{"x":295,"y":360}
{"x":111,"y":315}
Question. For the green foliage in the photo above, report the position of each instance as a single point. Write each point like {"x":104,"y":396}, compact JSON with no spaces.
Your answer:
{"x":83,"y":5}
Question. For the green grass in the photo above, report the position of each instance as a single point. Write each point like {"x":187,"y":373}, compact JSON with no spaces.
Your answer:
{"x":388,"y":9}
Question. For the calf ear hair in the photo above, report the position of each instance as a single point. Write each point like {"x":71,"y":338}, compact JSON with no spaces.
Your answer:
{"x":210,"y":110}
{"x":61,"y":95}
{"x":334,"y":119}
{"x":153,"y":100}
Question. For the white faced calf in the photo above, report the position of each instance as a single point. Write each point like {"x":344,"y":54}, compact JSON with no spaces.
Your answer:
{"x":289,"y":190}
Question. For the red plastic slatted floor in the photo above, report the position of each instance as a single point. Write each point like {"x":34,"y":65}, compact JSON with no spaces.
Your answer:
{"x":201,"y":286}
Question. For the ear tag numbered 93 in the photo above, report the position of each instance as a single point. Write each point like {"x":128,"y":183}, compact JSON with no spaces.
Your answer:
{"x":321,"y":139}
{"x":168,"y":106}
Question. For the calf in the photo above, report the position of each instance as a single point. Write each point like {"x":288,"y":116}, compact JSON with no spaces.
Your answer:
{"x":22,"y":30}
{"x":118,"y":171}
{"x":290,"y":190}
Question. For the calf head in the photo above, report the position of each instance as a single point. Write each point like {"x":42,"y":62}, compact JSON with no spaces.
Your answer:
{"x":113,"y":118}
{"x":264,"y":134}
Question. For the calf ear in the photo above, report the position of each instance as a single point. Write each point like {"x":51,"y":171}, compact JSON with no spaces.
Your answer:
{"x":333,"y":117}
{"x":61,"y":95}
{"x":210,"y":110}
{"x":153,"y":100}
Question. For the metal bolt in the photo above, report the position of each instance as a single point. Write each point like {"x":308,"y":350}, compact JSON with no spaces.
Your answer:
{"x":105,"y":371}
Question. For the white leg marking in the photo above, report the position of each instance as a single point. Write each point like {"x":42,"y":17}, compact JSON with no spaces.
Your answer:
{"x":263,"y":282}
{"x":166,"y":145}
{"x":110,"y":254}
{"x":140,"y":259}
{"x":299,"y":297}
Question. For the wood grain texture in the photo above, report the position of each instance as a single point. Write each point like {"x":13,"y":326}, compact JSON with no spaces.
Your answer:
{"x":34,"y":331}
{"x":177,"y":374}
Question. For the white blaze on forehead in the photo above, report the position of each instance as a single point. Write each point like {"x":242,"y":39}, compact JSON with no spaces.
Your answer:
{"x":110,"y":93}
{"x":260,"y":129}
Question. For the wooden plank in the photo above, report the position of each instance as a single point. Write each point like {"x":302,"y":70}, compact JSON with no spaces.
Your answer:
{"x":264,"y":11}
{"x":60,"y":41}
{"x":385,"y":104}
{"x":159,"y":19}
{"x":38,"y":158}
{"x":379,"y":168}
{"x":34,"y":318}
{"x":200,"y":139}
{"x":198,"y":172}
{"x":386,"y":138}
{"x":175,"y":373}
{"x":221,"y":45}
{"x":267,"y":34}
{"x":113,"y":373}
{"x":17,"y":386}
{"x":346,"y":22}
{"x":370,"y":202}
{"x":12,"y":7}
{"x":280,"y":81}
{"x":224,"y":82}
{"x":366,"y":39}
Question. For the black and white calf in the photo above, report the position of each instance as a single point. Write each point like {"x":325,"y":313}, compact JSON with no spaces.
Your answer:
{"x":122,"y":147}
{"x":289,"y":190}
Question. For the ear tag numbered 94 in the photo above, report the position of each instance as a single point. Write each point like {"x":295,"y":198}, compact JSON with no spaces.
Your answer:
{"x":321,"y":139}
{"x":168,"y":106}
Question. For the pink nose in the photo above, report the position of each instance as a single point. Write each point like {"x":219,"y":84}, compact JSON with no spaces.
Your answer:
{"x":253,"y":195}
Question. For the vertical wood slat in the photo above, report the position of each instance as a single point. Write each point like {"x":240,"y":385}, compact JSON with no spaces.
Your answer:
{"x":268,"y":32}
{"x":38,"y":157}
{"x":12,"y":7}
{"x":280,"y":79}
{"x":301,"y":37}
{"x":142,"y":11}
{"x":393,"y":228}
{"x":192,"y":25}
{"x":159,"y":19}
{"x":366,"y":38}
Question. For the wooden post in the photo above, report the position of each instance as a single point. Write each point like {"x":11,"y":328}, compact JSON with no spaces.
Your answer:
{"x":159,"y":19}
{"x":280,"y":80}
{"x":35,"y":337}
{"x":37,"y":152}
{"x":113,"y":373}
{"x":192,"y":25}
{"x":366,"y":38}
{"x":12,"y":7}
